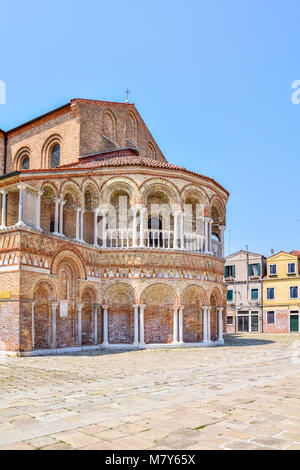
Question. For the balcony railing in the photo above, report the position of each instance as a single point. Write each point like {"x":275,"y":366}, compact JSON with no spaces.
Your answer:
{"x":158,"y":239}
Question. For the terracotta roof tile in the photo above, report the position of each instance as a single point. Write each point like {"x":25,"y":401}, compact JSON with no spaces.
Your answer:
{"x":126,"y":157}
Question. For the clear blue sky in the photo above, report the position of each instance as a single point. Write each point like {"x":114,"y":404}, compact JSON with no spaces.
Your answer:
{"x":212,"y":79}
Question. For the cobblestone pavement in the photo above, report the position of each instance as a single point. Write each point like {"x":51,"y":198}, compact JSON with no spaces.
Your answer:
{"x":244,"y":395}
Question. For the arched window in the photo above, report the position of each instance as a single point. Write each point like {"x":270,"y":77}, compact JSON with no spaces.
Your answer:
{"x":55,"y":156}
{"x":25,"y":163}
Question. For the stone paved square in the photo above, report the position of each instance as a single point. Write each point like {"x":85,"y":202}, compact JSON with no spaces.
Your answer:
{"x":244,"y":395}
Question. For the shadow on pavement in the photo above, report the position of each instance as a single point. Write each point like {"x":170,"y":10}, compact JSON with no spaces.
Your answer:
{"x":237,"y":339}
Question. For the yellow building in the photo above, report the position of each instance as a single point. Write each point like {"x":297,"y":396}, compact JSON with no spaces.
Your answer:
{"x":281,"y":292}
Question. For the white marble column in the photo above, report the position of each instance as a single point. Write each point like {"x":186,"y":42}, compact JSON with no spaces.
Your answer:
{"x":54,"y":306}
{"x":134,"y":227}
{"x":142,"y":213}
{"x":82,"y":211}
{"x":95,"y":325}
{"x":182,"y":230}
{"x":220,"y":322}
{"x":78,"y":210}
{"x":105,"y":325}
{"x":79,"y":324}
{"x":210,"y":222}
{"x":142,"y":325}
{"x":61,"y":218}
{"x":136,"y":325}
{"x":38,"y":210}
{"x":207,"y":230}
{"x":20,"y":222}
{"x":175,"y":242}
{"x":96,"y":211}
{"x":56,"y":211}
{"x":104,"y":241}
{"x":32,"y":326}
{"x":3,"y":210}
{"x":180,"y":324}
{"x":205,"y":337}
{"x":222,"y":230}
{"x":175,"y":325}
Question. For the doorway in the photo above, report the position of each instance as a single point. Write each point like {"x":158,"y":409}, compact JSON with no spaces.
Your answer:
{"x":294,"y":322}
{"x":254,"y":322}
{"x":243,"y":323}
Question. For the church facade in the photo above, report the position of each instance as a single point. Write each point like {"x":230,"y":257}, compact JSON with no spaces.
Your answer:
{"x":103,"y":243}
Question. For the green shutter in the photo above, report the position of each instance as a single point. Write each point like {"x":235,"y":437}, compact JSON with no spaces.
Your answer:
{"x":258,"y":269}
{"x":249,"y":270}
{"x":225,"y":271}
{"x":233,"y":271}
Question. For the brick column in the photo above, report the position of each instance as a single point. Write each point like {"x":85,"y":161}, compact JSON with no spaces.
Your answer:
{"x":79,"y":324}
{"x":53,"y":324}
{"x":208,"y":324}
{"x":32,"y":325}
{"x":96,"y":324}
{"x":78,"y":210}
{"x":82,"y":211}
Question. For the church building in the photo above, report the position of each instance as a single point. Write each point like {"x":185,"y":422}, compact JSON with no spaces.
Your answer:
{"x":103,"y":243}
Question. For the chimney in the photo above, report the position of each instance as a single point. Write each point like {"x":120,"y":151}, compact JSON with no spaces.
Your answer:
{"x":272,"y":251}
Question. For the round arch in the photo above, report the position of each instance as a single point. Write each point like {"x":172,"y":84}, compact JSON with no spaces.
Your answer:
{"x":49,"y":144}
{"x":22,"y":154}
{"x":159,"y":300}
{"x":193,"y":299}
{"x":120,"y":299}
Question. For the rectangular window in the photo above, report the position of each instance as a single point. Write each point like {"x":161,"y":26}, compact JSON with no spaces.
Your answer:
{"x":229,"y":320}
{"x":254,"y":294}
{"x":229,"y":295}
{"x":291,"y":268}
{"x":254,"y":269}
{"x":270,"y":293}
{"x":270,"y":318}
{"x":229,"y":271}
{"x":294,"y":292}
{"x":273,"y":269}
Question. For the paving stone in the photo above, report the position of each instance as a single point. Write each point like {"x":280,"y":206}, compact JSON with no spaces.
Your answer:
{"x":201,"y":398}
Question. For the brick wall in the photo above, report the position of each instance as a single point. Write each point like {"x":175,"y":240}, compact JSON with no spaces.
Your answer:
{"x":158,"y":324}
{"x":281,"y":324}
{"x":192,"y":324}
{"x":120,"y":324}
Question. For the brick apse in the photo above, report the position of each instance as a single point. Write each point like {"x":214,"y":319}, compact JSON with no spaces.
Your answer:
{"x":103,"y":243}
